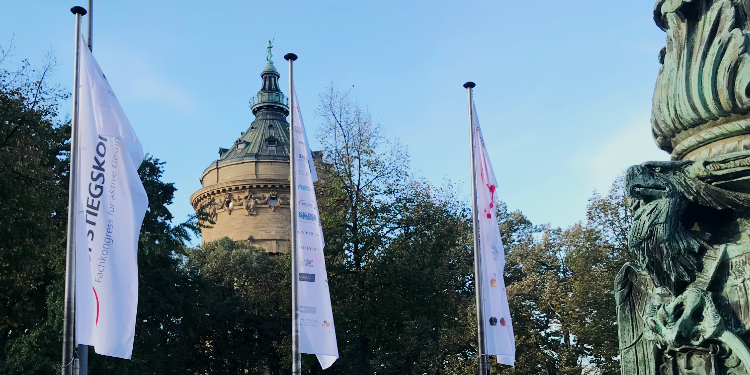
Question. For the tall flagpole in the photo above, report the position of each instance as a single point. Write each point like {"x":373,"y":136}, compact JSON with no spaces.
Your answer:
{"x":70,"y":262}
{"x":484,"y":368}
{"x":83,"y":350}
{"x":296,"y":355}
{"x":90,"y":26}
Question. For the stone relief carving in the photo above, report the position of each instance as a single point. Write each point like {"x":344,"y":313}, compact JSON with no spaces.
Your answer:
{"x":249,"y":201}
{"x":212,"y":213}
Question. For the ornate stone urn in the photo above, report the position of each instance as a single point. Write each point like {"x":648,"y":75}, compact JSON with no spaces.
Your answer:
{"x":682,"y":304}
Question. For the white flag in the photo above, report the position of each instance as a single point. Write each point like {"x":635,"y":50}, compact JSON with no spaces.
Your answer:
{"x":498,"y":327}
{"x":109,"y":209}
{"x":317,"y":331}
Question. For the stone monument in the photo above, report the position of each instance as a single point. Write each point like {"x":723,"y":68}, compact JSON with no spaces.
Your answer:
{"x":246,"y":190}
{"x":683,"y":304}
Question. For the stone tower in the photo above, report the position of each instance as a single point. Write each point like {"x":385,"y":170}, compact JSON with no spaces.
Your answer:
{"x":246,"y":190}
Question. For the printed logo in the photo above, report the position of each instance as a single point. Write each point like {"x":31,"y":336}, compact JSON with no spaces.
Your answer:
{"x":307,"y":233}
{"x":308,"y":216}
{"x":303,"y":187}
{"x":491,"y":188}
{"x":493,"y":321}
{"x":502,"y":322}
{"x":309,"y":277}
{"x":485,"y":174}
{"x":309,"y":248}
{"x":326,"y":324}
{"x":307,"y":309}
{"x":302,"y":157}
{"x":306,"y":263}
{"x":303,"y":203}
{"x":493,"y":282}
{"x":495,"y":253}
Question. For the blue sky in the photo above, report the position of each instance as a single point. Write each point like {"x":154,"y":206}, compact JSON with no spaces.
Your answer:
{"x":563,"y":87}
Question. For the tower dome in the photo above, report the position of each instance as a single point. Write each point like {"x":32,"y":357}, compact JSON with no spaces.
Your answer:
{"x":246,"y":190}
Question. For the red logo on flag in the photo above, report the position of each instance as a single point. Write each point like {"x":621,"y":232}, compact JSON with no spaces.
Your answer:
{"x":97,"y":306}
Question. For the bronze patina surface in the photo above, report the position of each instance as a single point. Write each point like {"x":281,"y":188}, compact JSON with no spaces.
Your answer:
{"x":682,"y":304}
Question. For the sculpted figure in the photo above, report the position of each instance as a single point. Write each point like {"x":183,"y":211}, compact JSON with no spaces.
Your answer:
{"x":212,"y":212}
{"x":683,"y":305}
{"x":268,"y":51}
{"x":250,"y":203}
{"x":263,"y":199}
{"x":229,"y":203}
{"x":226,"y":201}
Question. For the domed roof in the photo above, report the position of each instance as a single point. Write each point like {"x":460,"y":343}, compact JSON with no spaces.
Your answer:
{"x":267,"y":138}
{"x":269,"y":67}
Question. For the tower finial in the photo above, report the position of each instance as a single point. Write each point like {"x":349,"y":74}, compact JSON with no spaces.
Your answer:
{"x":268,"y":51}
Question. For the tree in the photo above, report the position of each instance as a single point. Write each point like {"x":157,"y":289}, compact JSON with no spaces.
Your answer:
{"x":247,"y":313}
{"x":600,"y":251}
{"x":33,"y":200}
{"x":168,"y":302}
{"x":362,"y":173}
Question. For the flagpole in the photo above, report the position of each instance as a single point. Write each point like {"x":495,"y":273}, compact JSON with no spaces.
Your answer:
{"x":90,"y":26}
{"x":484,"y":368}
{"x":83,"y":350}
{"x":70,"y":262}
{"x":296,"y":355}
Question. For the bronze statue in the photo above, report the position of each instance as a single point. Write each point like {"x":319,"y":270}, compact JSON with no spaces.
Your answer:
{"x":683,"y":305}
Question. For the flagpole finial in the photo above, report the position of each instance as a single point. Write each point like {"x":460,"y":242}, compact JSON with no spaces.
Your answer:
{"x":290,"y":56}
{"x":78,"y":10}
{"x":469,"y":85}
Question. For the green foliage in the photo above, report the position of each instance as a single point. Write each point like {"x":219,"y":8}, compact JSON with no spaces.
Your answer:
{"x":167,"y":309}
{"x":247,"y":317}
{"x":33,"y":205}
{"x":398,"y":253}
{"x":560,"y":289}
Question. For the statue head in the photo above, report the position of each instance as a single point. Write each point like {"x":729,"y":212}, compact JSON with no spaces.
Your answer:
{"x":658,"y":239}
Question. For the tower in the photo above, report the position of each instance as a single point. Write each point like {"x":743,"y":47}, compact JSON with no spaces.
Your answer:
{"x":246,"y":190}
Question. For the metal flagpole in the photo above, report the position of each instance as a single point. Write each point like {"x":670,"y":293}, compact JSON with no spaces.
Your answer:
{"x":70,"y":263}
{"x":296,"y":355}
{"x":484,"y":368}
{"x":90,"y":24}
{"x":83,"y":350}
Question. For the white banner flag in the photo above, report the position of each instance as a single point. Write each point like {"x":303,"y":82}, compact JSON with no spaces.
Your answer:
{"x":498,"y":327}
{"x":109,"y":209}
{"x":317,"y":332}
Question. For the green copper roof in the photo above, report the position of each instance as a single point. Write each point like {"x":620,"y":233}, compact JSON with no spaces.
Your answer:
{"x":268,"y":136}
{"x":269,"y":67}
